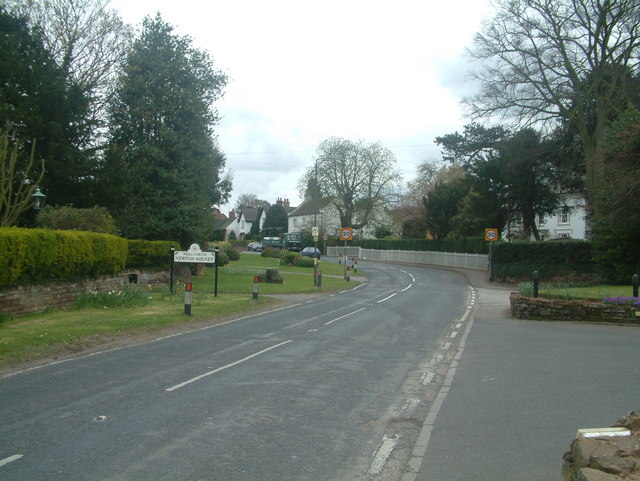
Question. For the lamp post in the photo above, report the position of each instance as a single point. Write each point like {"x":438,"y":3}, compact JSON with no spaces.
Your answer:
{"x":38,"y":199}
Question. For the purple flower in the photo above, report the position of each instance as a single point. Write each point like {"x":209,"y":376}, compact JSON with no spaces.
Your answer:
{"x":623,"y":301}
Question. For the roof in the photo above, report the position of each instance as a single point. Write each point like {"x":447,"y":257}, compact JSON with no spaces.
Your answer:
{"x":250,"y":214}
{"x":310,"y":206}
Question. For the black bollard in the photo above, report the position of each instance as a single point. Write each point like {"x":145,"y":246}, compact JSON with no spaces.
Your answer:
{"x":535,"y":283}
{"x":635,"y":285}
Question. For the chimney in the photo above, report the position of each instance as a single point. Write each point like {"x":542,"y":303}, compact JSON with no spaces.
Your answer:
{"x":232,"y":214}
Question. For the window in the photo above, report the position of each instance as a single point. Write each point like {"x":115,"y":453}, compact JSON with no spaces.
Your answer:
{"x":564,"y":216}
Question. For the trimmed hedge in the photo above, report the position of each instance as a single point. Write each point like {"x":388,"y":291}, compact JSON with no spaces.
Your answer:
{"x":145,"y":254}
{"x":31,"y":255}
{"x":552,"y":259}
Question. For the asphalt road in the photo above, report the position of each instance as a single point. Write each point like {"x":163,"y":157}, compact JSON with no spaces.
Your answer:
{"x":336,"y":388}
{"x":521,"y":390}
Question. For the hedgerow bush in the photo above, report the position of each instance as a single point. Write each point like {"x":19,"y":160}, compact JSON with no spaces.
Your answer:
{"x":31,"y":255}
{"x":150,"y":254}
{"x":552,"y":259}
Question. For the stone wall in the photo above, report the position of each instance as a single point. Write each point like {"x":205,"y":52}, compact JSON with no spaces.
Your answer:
{"x":605,"y":457}
{"x":540,"y":308}
{"x":31,"y":298}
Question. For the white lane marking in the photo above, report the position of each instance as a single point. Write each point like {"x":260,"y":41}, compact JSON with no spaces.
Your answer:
{"x":387,"y":298}
{"x":407,"y":288}
{"x":209,"y":373}
{"x":379,"y":460}
{"x":453,"y":334}
{"x":446,"y":346}
{"x":410,"y":407}
{"x":342,"y":317}
{"x":10,"y":459}
{"x":351,"y":290}
{"x":464,"y":317}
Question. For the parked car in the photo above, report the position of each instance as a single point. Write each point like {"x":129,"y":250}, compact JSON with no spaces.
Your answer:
{"x":254,"y":246}
{"x":311,"y":252}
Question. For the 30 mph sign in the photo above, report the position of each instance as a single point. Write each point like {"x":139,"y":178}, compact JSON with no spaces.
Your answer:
{"x":346,"y":233}
{"x":491,"y":235}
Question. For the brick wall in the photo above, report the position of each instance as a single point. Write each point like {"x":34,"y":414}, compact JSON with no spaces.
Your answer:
{"x":31,"y":298}
{"x":540,"y":308}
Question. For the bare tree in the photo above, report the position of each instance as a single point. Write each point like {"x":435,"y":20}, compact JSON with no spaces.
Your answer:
{"x":86,"y":38}
{"x":358,"y":178}
{"x":550,"y":61}
{"x":18,"y":179}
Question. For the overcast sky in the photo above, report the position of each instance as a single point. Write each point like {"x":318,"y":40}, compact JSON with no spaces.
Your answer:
{"x":300,"y":72}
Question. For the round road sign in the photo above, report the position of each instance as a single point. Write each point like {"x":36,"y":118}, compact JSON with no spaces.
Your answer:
{"x":491,"y":235}
{"x":346,"y":233}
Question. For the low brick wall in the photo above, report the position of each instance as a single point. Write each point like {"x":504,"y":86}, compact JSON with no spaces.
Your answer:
{"x":31,"y":298}
{"x":539,"y":308}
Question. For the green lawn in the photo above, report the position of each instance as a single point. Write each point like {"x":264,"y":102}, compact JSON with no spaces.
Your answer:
{"x":74,"y":329}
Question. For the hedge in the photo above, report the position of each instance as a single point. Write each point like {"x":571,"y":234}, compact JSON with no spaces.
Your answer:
{"x":155,"y":254}
{"x":31,"y":255}
{"x":552,"y":259}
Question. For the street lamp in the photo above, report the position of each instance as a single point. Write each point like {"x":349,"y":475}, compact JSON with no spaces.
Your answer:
{"x":38,"y":199}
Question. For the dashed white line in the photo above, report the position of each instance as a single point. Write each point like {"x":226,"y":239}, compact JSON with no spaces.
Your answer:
{"x":209,"y":373}
{"x":10,"y":459}
{"x":387,"y":298}
{"x":379,"y":460}
{"x":453,"y":334}
{"x":342,"y":317}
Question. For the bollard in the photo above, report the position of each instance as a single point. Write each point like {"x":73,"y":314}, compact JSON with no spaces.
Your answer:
{"x":256,"y":286}
{"x":348,"y":274}
{"x":535,"y":283}
{"x":319,"y":284}
{"x":635,"y":285}
{"x":188,"y":286}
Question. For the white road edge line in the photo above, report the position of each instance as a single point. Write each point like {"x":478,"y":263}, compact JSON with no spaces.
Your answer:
{"x":342,"y":317}
{"x":209,"y":373}
{"x":10,"y":459}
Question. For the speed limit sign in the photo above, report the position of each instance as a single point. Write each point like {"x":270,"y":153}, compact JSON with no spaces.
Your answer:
{"x":491,"y":235}
{"x":346,"y":233}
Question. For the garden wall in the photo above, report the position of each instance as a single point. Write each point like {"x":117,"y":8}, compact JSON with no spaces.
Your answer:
{"x":31,"y":298}
{"x":540,"y":308}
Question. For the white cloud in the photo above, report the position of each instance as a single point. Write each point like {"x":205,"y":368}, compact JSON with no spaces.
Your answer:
{"x":304,"y":71}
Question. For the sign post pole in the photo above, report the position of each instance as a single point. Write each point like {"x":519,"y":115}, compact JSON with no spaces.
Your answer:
{"x":173,"y":251}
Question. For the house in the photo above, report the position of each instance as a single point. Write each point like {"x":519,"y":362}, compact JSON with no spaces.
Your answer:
{"x":570,"y":222}
{"x":323,"y":214}
{"x":241,"y":226}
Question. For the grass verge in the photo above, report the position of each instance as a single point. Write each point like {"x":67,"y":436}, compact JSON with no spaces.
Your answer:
{"x":101,"y":320}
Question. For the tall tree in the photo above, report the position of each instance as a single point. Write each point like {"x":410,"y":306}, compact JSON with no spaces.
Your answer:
{"x":618,"y":222}
{"x":518,"y":172}
{"x":160,"y":176}
{"x":39,"y":104}
{"x":275,"y":222}
{"x":358,"y":178}
{"x":88,"y":41}
{"x":565,"y":60}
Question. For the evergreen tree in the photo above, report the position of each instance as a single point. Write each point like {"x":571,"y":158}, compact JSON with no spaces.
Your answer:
{"x":39,"y":105}
{"x":162,"y":171}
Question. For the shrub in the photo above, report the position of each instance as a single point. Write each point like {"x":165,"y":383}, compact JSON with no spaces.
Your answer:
{"x":287,"y":258}
{"x":145,"y":254}
{"x":301,"y":261}
{"x":225,"y":247}
{"x":128,"y":296}
{"x":96,"y":219}
{"x":270,"y":252}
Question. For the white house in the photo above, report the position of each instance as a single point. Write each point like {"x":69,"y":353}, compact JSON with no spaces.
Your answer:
{"x":570,"y":222}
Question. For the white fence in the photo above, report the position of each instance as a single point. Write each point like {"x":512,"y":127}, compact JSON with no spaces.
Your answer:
{"x":447,"y":259}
